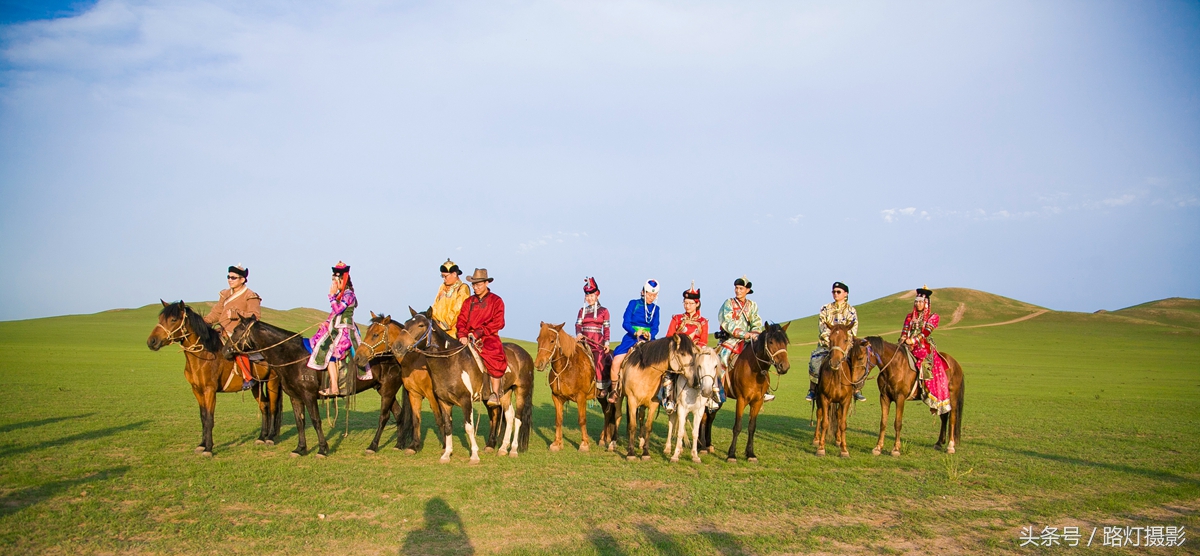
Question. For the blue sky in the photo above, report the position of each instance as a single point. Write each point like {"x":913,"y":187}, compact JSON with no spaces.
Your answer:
{"x":1046,"y":151}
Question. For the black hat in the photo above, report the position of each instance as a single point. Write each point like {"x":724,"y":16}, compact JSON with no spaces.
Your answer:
{"x":924,"y":291}
{"x":843,"y":287}
{"x":743,"y":281}
{"x":692,"y":293}
{"x":341,"y":268}
{"x":243,"y":272}
{"x":449,"y":267}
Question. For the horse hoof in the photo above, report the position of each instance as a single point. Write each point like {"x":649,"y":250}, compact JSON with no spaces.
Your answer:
{"x":844,"y":455}
{"x":674,"y":460}
{"x":584,"y":448}
{"x":474,"y":460}
{"x":712,"y":450}
{"x":206,"y":454}
{"x":555,"y":447}
{"x":270,"y":443}
{"x":502,"y":453}
{"x":488,"y":449}
{"x":294,"y":454}
{"x":612,"y":446}
{"x":512,"y":454}
{"x":410,"y":451}
{"x":370,"y":452}
{"x":821,"y":453}
{"x":895,"y":453}
{"x":259,"y":442}
{"x":631,"y":458}
{"x":320,"y":455}
{"x":696,"y":459}
{"x":876,"y":452}
{"x":199,"y":449}
{"x":752,"y":459}
{"x":730,"y":460}
{"x":645,"y":458}
{"x":950,"y":450}
{"x":444,"y":459}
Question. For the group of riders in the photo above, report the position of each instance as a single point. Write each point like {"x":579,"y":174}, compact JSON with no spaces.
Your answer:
{"x":473,"y":314}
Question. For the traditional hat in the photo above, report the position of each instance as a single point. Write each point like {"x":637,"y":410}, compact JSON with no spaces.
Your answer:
{"x":449,"y":267}
{"x":480,"y":275}
{"x":692,"y":292}
{"x":924,"y":292}
{"x":651,"y":286}
{"x":589,"y":285}
{"x":341,"y":268}
{"x":841,"y":286}
{"x":240,"y":271}
{"x":743,"y":281}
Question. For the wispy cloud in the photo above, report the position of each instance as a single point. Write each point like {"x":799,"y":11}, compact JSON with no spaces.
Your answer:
{"x":796,"y":219}
{"x":896,"y":214}
{"x":548,"y":239}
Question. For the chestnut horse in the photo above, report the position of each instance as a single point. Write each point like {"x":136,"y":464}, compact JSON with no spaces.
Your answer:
{"x":572,"y":378}
{"x":641,"y":376}
{"x":284,"y":352}
{"x":376,"y":348}
{"x":750,"y":378}
{"x":209,"y":374}
{"x":898,"y":381}
{"x":839,"y":377}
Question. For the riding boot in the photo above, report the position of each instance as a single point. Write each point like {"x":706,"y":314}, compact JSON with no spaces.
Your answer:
{"x":812,"y":392}
{"x":493,"y":398}
{"x":859,"y":397}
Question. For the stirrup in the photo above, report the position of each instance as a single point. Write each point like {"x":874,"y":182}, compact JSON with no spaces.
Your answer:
{"x":859,"y":397}
{"x":810,"y":397}
{"x":493,"y":401}
{"x":247,"y":384}
{"x":768,"y":397}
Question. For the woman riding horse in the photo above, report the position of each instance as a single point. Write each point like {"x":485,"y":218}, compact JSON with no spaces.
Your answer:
{"x":592,"y":328}
{"x":694,"y":326}
{"x":336,"y":337}
{"x":641,"y":325}
{"x":918,"y":326}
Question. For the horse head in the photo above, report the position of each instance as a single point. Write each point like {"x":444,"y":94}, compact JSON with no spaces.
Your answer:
{"x":550,"y":342}
{"x":412,"y":333}
{"x":774,"y":343}
{"x":840,"y":343}
{"x":241,"y":340}
{"x":682,"y":356}
{"x":178,"y":323}
{"x":860,"y":358}
{"x":376,"y":342}
{"x":708,"y":364}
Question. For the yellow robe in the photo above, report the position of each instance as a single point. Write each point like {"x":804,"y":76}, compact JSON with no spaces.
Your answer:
{"x":448,"y":303}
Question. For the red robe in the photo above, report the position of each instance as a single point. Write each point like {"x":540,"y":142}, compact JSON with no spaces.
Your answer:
{"x":696,"y":329}
{"x":484,"y":318}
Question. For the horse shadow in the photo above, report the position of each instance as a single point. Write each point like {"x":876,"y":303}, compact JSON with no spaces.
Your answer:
{"x":17,"y":500}
{"x":9,"y":451}
{"x":41,"y":422}
{"x":667,"y":544}
{"x":443,"y":532}
{"x":1119,"y":468}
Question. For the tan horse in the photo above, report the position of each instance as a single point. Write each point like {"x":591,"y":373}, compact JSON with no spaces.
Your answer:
{"x":572,"y":378}
{"x":209,"y":374}
{"x":898,"y":381}
{"x":414,"y":376}
{"x":641,"y":375}
{"x":749,"y":380}
{"x":691,"y":398}
{"x":839,"y":376}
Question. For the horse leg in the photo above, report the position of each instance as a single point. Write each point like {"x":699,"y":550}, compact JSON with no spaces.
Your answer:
{"x":843,"y":416}
{"x":671,"y":429}
{"x":581,"y":406}
{"x":899,"y":423}
{"x":301,"y":441}
{"x":259,"y":392}
{"x":697,"y":418}
{"x":470,"y":421}
{"x":942,"y":433}
{"x":558,"y":418}
{"x":754,"y":409}
{"x":210,"y":409}
{"x":950,"y":422}
{"x":314,"y":416}
{"x":199,"y":394}
{"x":510,"y":434}
{"x":276,"y":398}
{"x":446,"y":427}
{"x":884,"y":405}
{"x":387,"y":399}
{"x":651,"y":412}
{"x":822,"y":424}
{"x":631,"y":417}
{"x":737,"y":428}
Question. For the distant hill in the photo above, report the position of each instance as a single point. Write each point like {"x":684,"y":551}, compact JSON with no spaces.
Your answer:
{"x":1173,"y":311}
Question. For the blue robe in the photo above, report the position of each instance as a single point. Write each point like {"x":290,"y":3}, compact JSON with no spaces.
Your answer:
{"x":635,"y":317}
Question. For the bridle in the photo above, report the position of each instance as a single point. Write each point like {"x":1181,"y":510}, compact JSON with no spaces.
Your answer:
{"x":425,"y":337}
{"x":197,"y":347}
{"x":766,"y":364}
{"x":555,"y":374}
{"x":385,"y":341}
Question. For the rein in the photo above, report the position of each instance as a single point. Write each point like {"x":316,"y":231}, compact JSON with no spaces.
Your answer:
{"x":195,"y":349}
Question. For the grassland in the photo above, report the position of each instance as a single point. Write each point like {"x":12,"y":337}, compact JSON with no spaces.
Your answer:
{"x":1071,"y":420}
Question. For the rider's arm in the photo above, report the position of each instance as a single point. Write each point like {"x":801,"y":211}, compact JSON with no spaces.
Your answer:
{"x":253,"y":307}
{"x":704,"y":332}
{"x":673,"y":328}
{"x":627,"y":321}
{"x":654,"y":322}
{"x":854,"y":319}
{"x":214,"y":314}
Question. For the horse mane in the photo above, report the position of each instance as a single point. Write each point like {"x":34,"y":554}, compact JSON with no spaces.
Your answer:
{"x":208,"y":336}
{"x":877,"y":343}
{"x":656,"y":352}
{"x":775,"y":331}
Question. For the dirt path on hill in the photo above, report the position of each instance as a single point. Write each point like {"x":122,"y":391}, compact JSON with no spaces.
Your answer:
{"x":956,"y":317}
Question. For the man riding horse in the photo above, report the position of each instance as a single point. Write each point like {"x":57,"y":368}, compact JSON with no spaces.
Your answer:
{"x":479,"y":322}
{"x":691,"y":324}
{"x":450,"y":296}
{"x":840,"y":312}
{"x":592,"y":328}
{"x":918,"y":326}
{"x":739,"y":322}
{"x":232,"y":304}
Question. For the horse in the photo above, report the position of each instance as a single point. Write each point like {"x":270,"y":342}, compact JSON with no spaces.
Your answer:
{"x":376,"y":349}
{"x":284,"y":351}
{"x":837,"y":380}
{"x":691,"y":398}
{"x":459,"y":379}
{"x":641,"y":376}
{"x":750,"y":379}
{"x":572,"y":378}
{"x":209,"y":374}
{"x":898,"y":382}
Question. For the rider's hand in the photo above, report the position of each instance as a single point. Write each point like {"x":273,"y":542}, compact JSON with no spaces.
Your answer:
{"x":579,"y":337}
{"x":463,"y":340}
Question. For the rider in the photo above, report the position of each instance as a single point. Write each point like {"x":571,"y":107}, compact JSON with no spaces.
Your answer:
{"x":739,"y":322}
{"x":450,"y":296}
{"x":918,"y":325}
{"x":481,"y":318}
{"x":640,"y":323}
{"x":690,"y":324}
{"x":334,"y":340}
{"x":838,"y":312}
{"x":592,"y":328}
{"x":232,"y":304}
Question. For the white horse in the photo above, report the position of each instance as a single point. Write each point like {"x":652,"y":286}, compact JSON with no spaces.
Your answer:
{"x":692,"y":400}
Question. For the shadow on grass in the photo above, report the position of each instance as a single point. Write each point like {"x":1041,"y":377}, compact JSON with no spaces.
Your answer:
{"x":17,"y":500}
{"x":604,"y":543}
{"x":40,"y":422}
{"x":1127,"y":469}
{"x":9,"y":451}
{"x":443,"y":532}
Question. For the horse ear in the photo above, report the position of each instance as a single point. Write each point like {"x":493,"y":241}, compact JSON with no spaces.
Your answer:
{"x":163,"y":302}
{"x":560,"y":326}
{"x":785,"y":325}
{"x":373,"y":315}
{"x":412,"y":311}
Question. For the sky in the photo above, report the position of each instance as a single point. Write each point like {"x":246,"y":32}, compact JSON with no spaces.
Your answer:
{"x":1044,"y":151}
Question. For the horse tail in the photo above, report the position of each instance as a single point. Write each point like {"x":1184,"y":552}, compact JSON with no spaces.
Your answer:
{"x":404,"y":436}
{"x":958,"y":402}
{"x":525,"y":414}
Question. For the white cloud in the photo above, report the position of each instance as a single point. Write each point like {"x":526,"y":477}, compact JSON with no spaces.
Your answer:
{"x":1119,"y":201}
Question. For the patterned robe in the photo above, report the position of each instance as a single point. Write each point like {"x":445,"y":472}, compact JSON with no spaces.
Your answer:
{"x":336,"y":336}
{"x":830,"y":314}
{"x":738,"y":319}
{"x":593,"y":325}
{"x":919,"y":326}
{"x":448,"y":303}
{"x":484,"y":319}
{"x":695,"y":327}
{"x":639,"y":316}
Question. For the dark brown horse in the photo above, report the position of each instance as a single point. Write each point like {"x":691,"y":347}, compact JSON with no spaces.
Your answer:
{"x":284,"y":351}
{"x":898,"y":382}
{"x":209,"y":374}
{"x":459,"y":380}
{"x":840,"y":375}
{"x":641,"y":376}
{"x":376,"y":348}
{"x":750,"y":379}
{"x":572,"y":378}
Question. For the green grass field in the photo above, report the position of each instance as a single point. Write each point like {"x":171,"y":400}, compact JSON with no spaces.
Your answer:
{"x":1071,"y":419}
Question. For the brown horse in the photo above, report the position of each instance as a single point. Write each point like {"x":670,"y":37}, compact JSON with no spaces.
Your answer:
{"x":838,"y":378}
{"x":750,"y":379}
{"x":209,"y":374}
{"x":572,"y":378}
{"x":641,"y":375}
{"x":376,"y":348}
{"x":898,"y":382}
